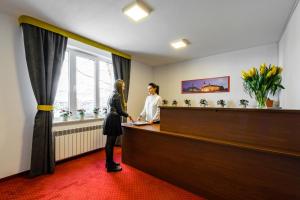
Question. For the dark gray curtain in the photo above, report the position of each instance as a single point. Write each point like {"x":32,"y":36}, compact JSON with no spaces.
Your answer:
{"x":122,"y":67}
{"x":122,"y":71}
{"x":45,"y":52}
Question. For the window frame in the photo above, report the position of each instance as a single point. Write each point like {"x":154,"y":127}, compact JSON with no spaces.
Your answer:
{"x":96,"y":58}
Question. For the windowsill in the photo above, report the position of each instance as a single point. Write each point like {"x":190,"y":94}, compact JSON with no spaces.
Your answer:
{"x":71,"y":121}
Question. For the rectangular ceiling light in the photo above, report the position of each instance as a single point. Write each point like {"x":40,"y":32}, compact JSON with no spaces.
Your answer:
{"x":137,"y":10}
{"x":179,"y":44}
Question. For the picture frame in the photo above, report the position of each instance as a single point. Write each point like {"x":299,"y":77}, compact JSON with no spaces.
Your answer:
{"x":206,"y":85}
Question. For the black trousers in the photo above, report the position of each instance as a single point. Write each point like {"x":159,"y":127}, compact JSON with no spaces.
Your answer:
{"x":109,"y":149}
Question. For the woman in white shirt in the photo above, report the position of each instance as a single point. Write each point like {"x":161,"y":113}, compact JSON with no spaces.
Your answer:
{"x":151,"y":111}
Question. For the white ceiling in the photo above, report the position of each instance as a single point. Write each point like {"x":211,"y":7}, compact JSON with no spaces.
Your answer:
{"x":212,"y":26}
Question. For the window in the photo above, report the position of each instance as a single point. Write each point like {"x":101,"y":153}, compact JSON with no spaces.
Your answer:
{"x":85,"y":87}
{"x":86,"y":81}
{"x":106,"y":81}
{"x":62,"y":93}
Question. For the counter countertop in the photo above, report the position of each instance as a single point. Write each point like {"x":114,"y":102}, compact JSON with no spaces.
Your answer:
{"x":275,"y":110}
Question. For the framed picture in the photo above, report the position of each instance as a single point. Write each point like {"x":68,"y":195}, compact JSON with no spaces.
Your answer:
{"x":207,"y":85}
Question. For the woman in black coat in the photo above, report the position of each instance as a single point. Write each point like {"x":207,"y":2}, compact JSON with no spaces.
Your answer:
{"x":112,"y":124}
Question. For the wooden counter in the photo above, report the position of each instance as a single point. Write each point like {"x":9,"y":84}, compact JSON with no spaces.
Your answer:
{"x":221,"y":153}
{"x":276,"y":130}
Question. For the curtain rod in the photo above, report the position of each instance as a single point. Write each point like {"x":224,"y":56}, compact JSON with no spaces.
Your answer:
{"x":32,"y":21}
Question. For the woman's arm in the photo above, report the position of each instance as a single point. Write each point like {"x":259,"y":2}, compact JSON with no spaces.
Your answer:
{"x":157,"y":114}
{"x":119,"y":109}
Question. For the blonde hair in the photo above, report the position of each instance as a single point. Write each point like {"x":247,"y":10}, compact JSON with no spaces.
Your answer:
{"x":118,"y":86}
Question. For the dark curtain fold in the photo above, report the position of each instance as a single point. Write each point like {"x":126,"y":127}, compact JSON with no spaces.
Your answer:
{"x":45,"y":53}
{"x":122,"y":67}
{"x":122,"y":71}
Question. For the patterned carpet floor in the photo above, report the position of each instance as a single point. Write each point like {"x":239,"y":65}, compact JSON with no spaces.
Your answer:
{"x":85,"y":178}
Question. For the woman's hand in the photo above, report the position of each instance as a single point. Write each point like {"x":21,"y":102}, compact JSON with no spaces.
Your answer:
{"x":130,"y":118}
{"x":150,"y":122}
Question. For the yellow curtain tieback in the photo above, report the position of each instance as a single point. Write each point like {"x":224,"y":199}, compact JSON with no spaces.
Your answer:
{"x":45,"y":107}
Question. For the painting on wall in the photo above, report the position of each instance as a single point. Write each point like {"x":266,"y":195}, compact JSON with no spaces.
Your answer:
{"x":207,"y":85}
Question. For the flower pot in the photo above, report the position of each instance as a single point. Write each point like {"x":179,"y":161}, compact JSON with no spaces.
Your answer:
{"x":64,"y":118}
{"x":269,"y":103}
{"x":274,"y":99}
{"x":243,"y":106}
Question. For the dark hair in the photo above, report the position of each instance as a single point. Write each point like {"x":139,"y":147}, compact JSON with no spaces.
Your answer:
{"x":156,"y":87}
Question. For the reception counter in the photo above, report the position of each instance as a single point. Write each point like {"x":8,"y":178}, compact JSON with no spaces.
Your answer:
{"x":221,"y":153}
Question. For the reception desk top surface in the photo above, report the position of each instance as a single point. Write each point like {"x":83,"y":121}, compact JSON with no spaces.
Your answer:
{"x":235,"y":109}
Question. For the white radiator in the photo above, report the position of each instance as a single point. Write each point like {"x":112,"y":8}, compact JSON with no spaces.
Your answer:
{"x":77,"y":139}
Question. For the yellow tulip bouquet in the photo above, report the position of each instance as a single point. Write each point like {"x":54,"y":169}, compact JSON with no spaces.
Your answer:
{"x":260,"y":82}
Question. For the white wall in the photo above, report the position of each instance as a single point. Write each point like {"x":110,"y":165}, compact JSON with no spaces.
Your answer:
{"x":17,"y":103}
{"x":169,"y":77}
{"x":141,"y":76}
{"x":289,"y":58}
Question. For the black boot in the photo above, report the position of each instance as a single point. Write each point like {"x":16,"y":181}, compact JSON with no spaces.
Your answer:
{"x":114,"y":163}
{"x":113,"y":168}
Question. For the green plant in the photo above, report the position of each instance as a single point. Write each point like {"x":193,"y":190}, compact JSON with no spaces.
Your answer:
{"x":174,"y":103}
{"x":104,"y":110}
{"x":244,"y":102}
{"x":65,"y":113}
{"x":260,"y":82}
{"x":164,"y":102}
{"x":96,"y":111}
{"x":221,"y":102}
{"x":203,"y":102}
{"x":81,"y":112}
{"x":187,"y":102}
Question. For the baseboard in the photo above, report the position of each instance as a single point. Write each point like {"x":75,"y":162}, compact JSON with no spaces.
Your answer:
{"x":78,"y":156}
{"x":25,"y":173}
{"x":21,"y":174}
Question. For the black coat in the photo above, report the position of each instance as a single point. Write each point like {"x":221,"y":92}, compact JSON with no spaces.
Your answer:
{"x":112,"y":121}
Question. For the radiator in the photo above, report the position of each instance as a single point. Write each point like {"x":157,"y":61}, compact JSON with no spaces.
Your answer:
{"x":73,"y":140}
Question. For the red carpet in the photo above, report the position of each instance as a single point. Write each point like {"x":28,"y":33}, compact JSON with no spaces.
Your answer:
{"x":86,"y":178}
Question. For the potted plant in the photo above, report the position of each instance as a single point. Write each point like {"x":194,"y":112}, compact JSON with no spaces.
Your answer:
{"x":81,"y":113}
{"x":104,"y":110}
{"x":203,"y":102}
{"x":164,"y":102}
{"x":65,"y":114}
{"x":96,"y":112}
{"x":187,"y":102}
{"x":221,"y":103}
{"x":259,"y":83}
{"x":244,"y":103}
{"x":174,"y":103}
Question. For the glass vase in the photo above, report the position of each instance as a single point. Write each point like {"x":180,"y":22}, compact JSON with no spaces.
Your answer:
{"x":81,"y":116}
{"x":261,"y":99}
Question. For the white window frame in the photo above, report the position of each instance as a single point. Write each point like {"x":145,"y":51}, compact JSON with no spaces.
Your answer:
{"x":72,"y":96}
